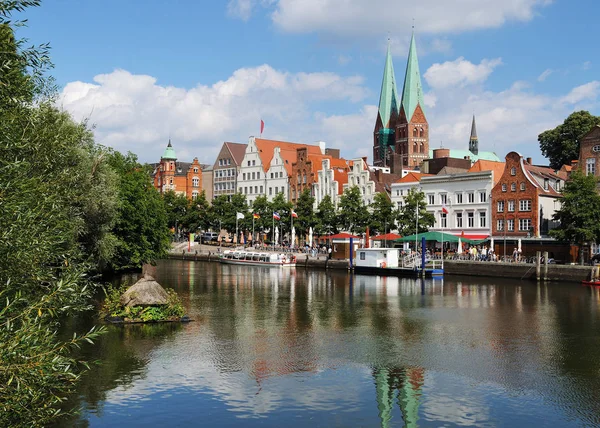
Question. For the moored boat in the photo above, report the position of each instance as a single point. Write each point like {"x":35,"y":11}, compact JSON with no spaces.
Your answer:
{"x":256,"y":258}
{"x":387,"y":261}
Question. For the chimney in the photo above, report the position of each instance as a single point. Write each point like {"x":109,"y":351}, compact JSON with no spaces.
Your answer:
{"x":378,"y":175}
{"x":441,"y":153}
{"x":529,"y":161}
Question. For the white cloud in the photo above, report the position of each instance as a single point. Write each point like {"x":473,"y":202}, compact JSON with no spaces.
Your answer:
{"x":358,"y":17}
{"x":542,"y":77}
{"x":589,"y":91}
{"x":134,"y":112}
{"x":459,"y":72}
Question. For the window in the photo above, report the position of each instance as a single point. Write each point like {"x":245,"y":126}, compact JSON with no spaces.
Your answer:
{"x":280,"y":174}
{"x":522,"y":186}
{"x":270,"y":191}
{"x":228,"y":161}
{"x":482,"y":196}
{"x":244,"y":176}
{"x":500,"y":225}
{"x":590,"y":166}
{"x":444,"y":220}
{"x":399,"y":204}
{"x":470,"y":220}
{"x":253,"y":163}
{"x":546,"y":183}
{"x":253,"y":175}
{"x":459,"y":198}
{"x":500,"y":206}
{"x":513,"y":171}
{"x":248,"y":163}
{"x":194,"y":195}
{"x":246,"y":190}
{"x":220,"y":162}
{"x":357,"y":180}
{"x":261,"y":188}
{"x":482,"y":219}
{"x":443,"y":198}
{"x":513,"y":187}
{"x":504,"y":187}
{"x":525,"y":205}
{"x":510,"y":225}
{"x":524,"y":224}
{"x":511,"y":206}
{"x":195,"y":182}
{"x":196,"y":169}
{"x":430,"y":199}
{"x":471,"y":197}
{"x":255,"y":189}
{"x":459,"y":222}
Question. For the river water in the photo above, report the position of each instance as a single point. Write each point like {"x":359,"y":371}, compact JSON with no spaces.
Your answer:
{"x":276,"y":347}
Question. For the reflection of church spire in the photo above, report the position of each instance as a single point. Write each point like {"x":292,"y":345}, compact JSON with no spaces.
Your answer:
{"x":409,"y":395}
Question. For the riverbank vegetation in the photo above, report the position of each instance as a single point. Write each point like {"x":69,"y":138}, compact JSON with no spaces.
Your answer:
{"x":70,"y":210}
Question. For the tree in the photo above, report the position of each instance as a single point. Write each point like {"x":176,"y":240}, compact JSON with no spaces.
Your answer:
{"x":407,"y":215}
{"x":561,"y":144}
{"x":578,"y":213}
{"x":383,"y":215}
{"x":326,"y":217}
{"x":353,"y":214}
{"x":224,"y":209}
{"x":197,"y":216}
{"x":262,"y":207}
{"x":305,"y":211}
{"x":141,"y":227}
{"x":283,"y":207}
{"x":176,"y":209}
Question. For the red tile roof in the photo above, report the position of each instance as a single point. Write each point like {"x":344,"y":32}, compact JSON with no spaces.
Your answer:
{"x":486,"y":165}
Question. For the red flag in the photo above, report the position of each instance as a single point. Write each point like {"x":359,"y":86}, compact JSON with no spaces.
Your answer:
{"x":444,"y":209}
{"x":294,"y":214}
{"x":262,"y":126}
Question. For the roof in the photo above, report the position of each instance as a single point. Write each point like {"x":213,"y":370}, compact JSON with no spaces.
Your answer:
{"x":461,"y":154}
{"x":544,"y":172}
{"x":388,"y":98}
{"x":384,"y":183}
{"x":343,"y":235}
{"x":169,"y":152}
{"x":386,"y":237}
{"x":266,"y":149}
{"x":237,"y":151}
{"x":341,"y":176}
{"x":182,"y":168}
{"x":412,"y":91}
{"x":412,"y":177}
{"x":450,"y":170}
{"x":486,"y":165}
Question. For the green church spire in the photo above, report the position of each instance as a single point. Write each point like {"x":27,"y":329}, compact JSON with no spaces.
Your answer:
{"x":412,"y":92}
{"x":388,"y":99}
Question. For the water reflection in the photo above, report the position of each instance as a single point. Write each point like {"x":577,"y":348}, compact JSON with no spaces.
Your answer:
{"x":277,"y":346}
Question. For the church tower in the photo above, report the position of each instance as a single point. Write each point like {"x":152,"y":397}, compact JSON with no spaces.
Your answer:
{"x":384,"y":138}
{"x":412,"y":129}
{"x":473,"y":141}
{"x":167,"y":169}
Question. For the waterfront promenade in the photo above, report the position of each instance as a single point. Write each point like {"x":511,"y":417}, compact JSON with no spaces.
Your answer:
{"x":520,"y":271}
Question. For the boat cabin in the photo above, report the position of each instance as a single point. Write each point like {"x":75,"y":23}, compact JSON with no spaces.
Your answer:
{"x":377,"y":257}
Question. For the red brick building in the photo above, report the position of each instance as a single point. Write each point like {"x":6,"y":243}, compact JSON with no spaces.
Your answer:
{"x":589,"y":152}
{"x":305,"y":170}
{"x":180,"y":177}
{"x":525,"y":198}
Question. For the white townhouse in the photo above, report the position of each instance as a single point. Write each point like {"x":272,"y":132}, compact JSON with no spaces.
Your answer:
{"x":465,"y":196}
{"x":330,"y":180}
{"x":360,"y":175}
{"x":266,"y":168}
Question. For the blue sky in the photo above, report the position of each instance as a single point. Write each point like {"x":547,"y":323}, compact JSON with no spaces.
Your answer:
{"x":205,"y":72}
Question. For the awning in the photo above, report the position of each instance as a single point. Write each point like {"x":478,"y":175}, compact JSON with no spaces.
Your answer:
{"x":438,"y":237}
{"x":386,"y":237}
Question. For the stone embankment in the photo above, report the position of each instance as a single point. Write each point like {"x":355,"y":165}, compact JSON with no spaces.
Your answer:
{"x":522,"y":271}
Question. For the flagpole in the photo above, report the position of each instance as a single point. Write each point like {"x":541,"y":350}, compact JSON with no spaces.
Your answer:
{"x":253,"y":228}
{"x":273,"y":232}
{"x":236,"y":227}
{"x":291,"y":227}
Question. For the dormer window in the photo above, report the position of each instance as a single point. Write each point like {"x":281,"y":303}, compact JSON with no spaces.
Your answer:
{"x":546,"y":183}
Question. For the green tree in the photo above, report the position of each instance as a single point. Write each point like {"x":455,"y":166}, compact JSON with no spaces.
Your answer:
{"x":197,"y":217}
{"x":281,"y":205}
{"x":176,"y":209}
{"x":141,"y":227}
{"x":383,"y":216}
{"x":326,"y":217}
{"x":353,"y":214}
{"x":306,"y":214}
{"x":561,"y":144}
{"x":224,"y":209}
{"x":578,"y":213}
{"x":262,"y":207}
{"x":407,"y":215}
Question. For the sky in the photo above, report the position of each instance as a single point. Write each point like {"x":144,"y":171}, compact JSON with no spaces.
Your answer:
{"x":207,"y":71}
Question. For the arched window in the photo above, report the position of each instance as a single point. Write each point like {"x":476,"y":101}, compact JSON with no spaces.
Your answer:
{"x":513,"y":171}
{"x":415,"y":132}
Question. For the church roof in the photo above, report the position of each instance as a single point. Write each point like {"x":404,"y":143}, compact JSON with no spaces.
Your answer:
{"x":388,"y":99}
{"x":412,"y":91}
{"x":461,"y":154}
{"x":169,"y":153}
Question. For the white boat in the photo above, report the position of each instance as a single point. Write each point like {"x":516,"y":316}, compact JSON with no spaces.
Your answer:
{"x":254,"y":258}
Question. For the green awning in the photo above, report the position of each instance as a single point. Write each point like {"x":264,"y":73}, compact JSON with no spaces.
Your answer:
{"x":438,"y":237}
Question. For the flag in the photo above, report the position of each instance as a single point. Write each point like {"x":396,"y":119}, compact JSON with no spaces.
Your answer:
{"x":276,"y":216}
{"x":239,"y":216}
{"x":262,"y":126}
{"x":444,"y":209}
{"x":255,"y":215}
{"x":294,"y":214}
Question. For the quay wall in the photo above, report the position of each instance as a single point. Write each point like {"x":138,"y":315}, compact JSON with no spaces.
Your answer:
{"x":563,"y":273}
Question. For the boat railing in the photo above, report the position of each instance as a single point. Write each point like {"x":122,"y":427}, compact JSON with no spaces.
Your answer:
{"x":413,"y":260}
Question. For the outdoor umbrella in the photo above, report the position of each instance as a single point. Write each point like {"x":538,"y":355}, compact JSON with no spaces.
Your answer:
{"x":459,"y":250}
